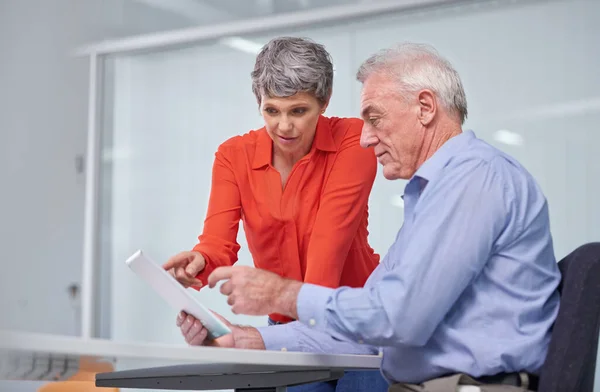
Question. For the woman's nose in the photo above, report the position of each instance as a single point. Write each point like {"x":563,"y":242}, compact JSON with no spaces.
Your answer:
{"x":285,"y":125}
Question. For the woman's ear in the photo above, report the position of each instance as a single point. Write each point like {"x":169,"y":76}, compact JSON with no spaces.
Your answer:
{"x":324,"y":106}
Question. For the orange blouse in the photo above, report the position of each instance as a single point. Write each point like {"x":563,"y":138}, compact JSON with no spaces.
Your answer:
{"x":315,"y":228}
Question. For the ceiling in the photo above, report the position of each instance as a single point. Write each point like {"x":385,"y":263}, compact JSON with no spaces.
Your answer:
{"x":254,"y":8}
{"x":216,"y":11}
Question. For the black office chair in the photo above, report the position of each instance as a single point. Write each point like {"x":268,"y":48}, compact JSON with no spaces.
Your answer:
{"x":570,"y":365}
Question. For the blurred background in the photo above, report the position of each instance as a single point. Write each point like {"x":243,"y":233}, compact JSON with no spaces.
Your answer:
{"x":170,"y":81}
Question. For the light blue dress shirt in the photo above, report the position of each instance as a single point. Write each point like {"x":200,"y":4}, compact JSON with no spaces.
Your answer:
{"x":468,"y":286}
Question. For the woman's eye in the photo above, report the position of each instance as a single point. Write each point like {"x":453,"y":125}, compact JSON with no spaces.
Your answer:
{"x":270,"y":110}
{"x":299,"y":111}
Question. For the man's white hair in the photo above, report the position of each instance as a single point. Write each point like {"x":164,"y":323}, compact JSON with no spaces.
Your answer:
{"x":417,"y":67}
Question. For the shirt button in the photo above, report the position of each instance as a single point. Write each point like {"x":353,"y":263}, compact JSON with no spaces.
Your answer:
{"x":312,"y":322}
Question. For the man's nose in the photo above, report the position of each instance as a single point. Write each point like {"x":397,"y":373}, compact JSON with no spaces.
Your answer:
{"x":367,"y":137}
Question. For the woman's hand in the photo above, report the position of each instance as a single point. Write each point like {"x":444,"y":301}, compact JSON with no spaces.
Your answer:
{"x":185,"y":266}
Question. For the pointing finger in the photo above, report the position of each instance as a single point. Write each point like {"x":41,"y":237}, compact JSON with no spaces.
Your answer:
{"x":175,"y":261}
{"x":219,"y":274}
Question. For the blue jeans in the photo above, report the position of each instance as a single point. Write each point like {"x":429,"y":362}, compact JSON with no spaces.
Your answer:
{"x":351,"y":381}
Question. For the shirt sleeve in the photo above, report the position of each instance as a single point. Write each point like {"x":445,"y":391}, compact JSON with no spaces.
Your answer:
{"x":218,"y":241}
{"x":295,"y":336}
{"x":456,"y":223}
{"x":342,"y":206}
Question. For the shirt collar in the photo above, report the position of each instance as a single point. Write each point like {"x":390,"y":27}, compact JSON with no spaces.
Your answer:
{"x":323,"y":141}
{"x":432,"y":166}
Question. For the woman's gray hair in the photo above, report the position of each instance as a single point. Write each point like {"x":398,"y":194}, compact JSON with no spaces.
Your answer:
{"x":289,"y":65}
{"x":417,"y":67}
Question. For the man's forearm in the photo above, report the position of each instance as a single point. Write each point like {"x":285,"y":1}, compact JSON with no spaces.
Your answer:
{"x":248,"y":338}
{"x":287,"y":298}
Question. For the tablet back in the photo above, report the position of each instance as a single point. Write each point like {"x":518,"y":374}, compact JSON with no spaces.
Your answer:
{"x":174,"y":293}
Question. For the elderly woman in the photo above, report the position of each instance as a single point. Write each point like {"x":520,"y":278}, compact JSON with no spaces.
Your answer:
{"x":300,"y":184}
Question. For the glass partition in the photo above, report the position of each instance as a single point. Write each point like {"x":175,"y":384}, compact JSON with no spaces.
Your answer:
{"x":530,"y":69}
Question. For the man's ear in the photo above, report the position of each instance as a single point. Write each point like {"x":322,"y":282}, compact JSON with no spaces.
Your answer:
{"x":427,"y":106}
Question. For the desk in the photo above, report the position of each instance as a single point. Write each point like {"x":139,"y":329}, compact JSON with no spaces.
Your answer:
{"x":38,"y":357}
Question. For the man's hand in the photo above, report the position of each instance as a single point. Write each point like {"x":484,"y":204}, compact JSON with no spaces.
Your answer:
{"x":195,"y":334}
{"x":184,"y":267}
{"x":257,"y":292}
{"x":240,"y":337}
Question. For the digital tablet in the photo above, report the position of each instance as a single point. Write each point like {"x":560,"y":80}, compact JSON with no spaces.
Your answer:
{"x":175,"y":294}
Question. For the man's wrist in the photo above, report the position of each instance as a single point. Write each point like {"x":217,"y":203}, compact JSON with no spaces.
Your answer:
{"x":287,"y":298}
{"x":247,"y":338}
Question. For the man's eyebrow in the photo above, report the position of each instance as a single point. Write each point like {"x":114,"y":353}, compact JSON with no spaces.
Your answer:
{"x":366,"y":110}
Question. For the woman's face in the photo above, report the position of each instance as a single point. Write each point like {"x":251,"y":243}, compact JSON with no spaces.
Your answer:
{"x":291,"y":122}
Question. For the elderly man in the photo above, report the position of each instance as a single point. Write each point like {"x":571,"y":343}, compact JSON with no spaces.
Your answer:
{"x":467,"y":293}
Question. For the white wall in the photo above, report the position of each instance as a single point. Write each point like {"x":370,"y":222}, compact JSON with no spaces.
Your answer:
{"x":42,"y":125}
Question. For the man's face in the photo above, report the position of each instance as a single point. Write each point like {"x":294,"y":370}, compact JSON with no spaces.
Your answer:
{"x":391,"y":127}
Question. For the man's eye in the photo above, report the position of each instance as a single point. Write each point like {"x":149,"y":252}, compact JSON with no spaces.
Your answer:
{"x":373,"y":120}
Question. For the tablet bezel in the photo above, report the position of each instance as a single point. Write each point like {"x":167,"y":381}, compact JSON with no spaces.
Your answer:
{"x":175,"y":294}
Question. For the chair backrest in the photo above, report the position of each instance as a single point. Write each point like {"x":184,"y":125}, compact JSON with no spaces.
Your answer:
{"x":570,"y":365}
